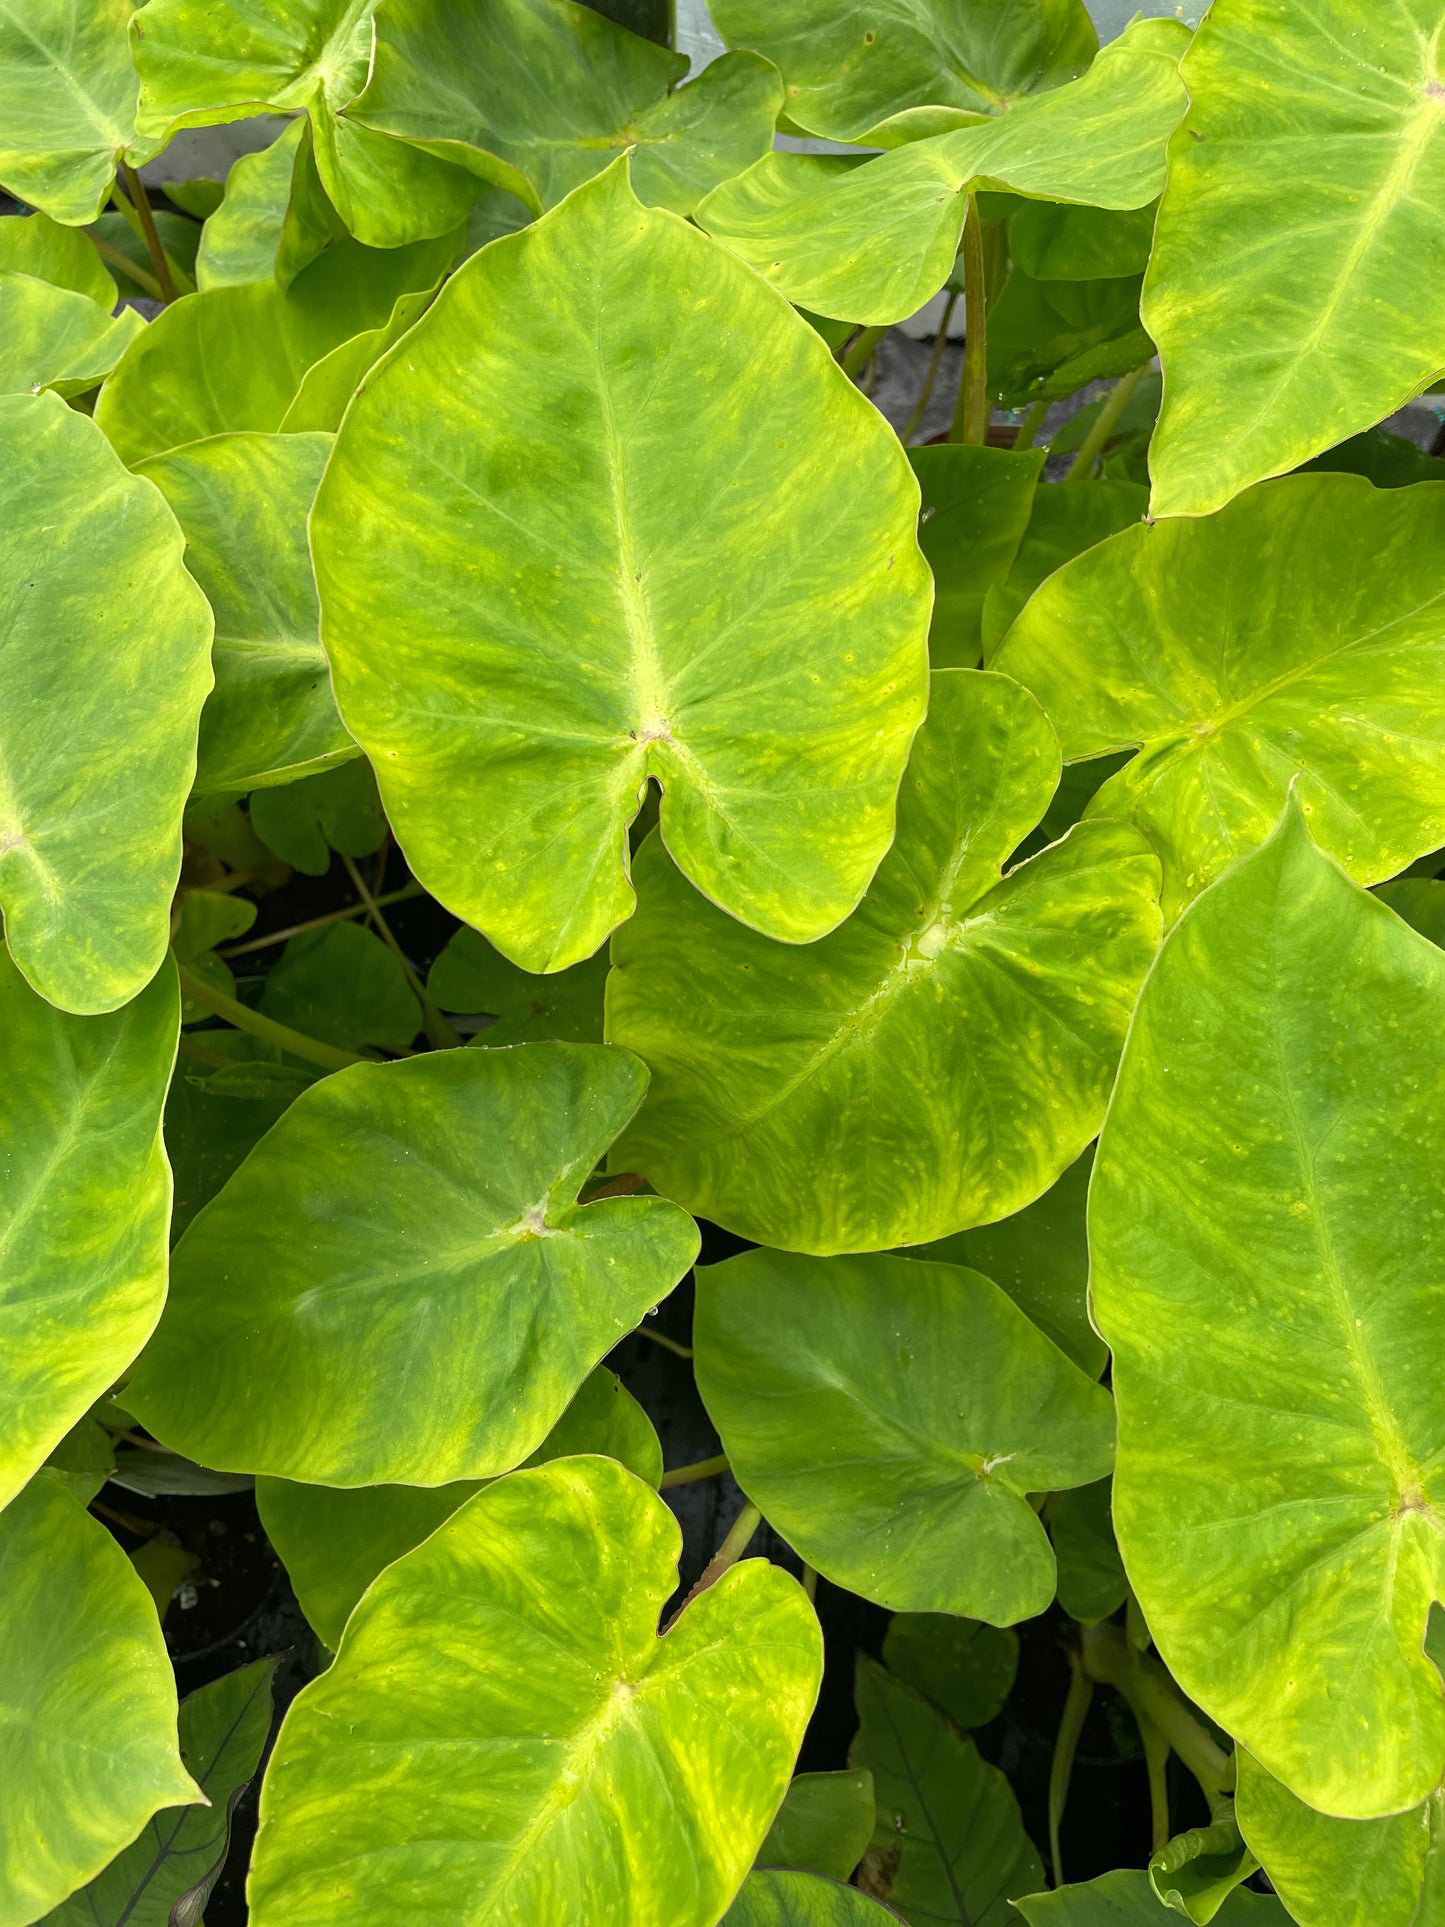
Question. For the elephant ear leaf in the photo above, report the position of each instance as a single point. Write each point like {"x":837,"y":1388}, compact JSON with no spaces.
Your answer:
{"x":594,"y":1770}
{"x":402,"y":1275}
{"x":88,"y":1744}
{"x":702,"y":570}
{"x":778,"y":1898}
{"x":1272,"y":1165}
{"x":1332,"y":683}
{"x":1125,"y":1899}
{"x":1306,"y":186}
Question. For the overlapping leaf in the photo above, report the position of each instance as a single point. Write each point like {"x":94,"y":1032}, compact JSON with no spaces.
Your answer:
{"x":803,"y":1900}
{"x":84,"y":1206}
{"x":872,"y":243}
{"x":471,"y":976}
{"x":963,"y":1665}
{"x":699,"y":567}
{"x":105,"y":666}
{"x":1298,"y":634}
{"x":890,"y":1417}
{"x":88,"y":1744}
{"x":1266,"y":1195}
{"x":54,"y":338}
{"x":593,"y":1770}
{"x":274,"y":220}
{"x":397,"y":1285}
{"x":537,"y":96}
{"x":935,"y":1063}
{"x":34,"y":244}
{"x":976,"y":506}
{"x":824,"y":1824}
{"x":1305,"y":187}
{"x":1125,"y":1899}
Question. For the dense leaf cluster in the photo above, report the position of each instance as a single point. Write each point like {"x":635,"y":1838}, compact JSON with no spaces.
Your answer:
{"x":989,"y":889}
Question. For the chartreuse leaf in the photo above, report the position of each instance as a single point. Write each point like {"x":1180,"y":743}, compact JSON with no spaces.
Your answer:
{"x":1266,"y":1191}
{"x":890,"y":1418}
{"x":70,"y":101}
{"x":236,"y":357}
{"x":531,"y":609}
{"x":593,"y":1771}
{"x":337,"y":809}
{"x":537,"y":96}
{"x":88,"y":1742}
{"x":1063,"y":523}
{"x":343,"y":985}
{"x":935,"y":1063}
{"x":962,"y":1665}
{"x":1289,"y":320}
{"x":275,"y":217}
{"x":1333,"y":680}
{"x":105,"y":666}
{"x":328,"y":384}
{"x":949,"y":1846}
{"x":976,"y":504}
{"x":781,"y":1899}
{"x":471,"y":976}
{"x":55,"y":338}
{"x":849,"y":69}
{"x":334,"y":1542}
{"x":1344,"y":1873}
{"x":1124,"y":1899}
{"x":83,"y":1209}
{"x":872,"y":243}
{"x":63,"y":256}
{"x":824,"y":1824}
{"x":1040,"y":1256}
{"x":242,"y":502}
{"x":164,"y":1878}
{"x":397,"y":1285}
{"x":199,"y":64}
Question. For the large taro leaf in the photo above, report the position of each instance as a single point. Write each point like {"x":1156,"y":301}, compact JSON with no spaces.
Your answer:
{"x":83,"y":1208}
{"x":274,"y":219}
{"x":237,"y":357}
{"x":777,"y":1898}
{"x":1296,"y":636}
{"x":242,"y":502}
{"x":55,"y":338}
{"x":938,"y":1061}
{"x":592,"y":1771}
{"x":872,"y":243}
{"x":537,"y":96}
{"x":164,"y":1878}
{"x":1306,"y":187}
{"x":1040,"y":1256}
{"x":70,"y":98}
{"x":1125,"y":1899}
{"x":963,"y":1665}
{"x":63,"y":256}
{"x":824,"y":1824}
{"x":200,"y":64}
{"x":851,"y":68}
{"x":105,"y":665}
{"x":398,"y":1285}
{"x":88,"y":1739}
{"x":333,"y":1542}
{"x":1266,"y":1192}
{"x":610,"y":512}
{"x":949,"y":1849}
{"x":976,"y":506}
{"x":1344,"y":1873}
{"x":891,"y":1418}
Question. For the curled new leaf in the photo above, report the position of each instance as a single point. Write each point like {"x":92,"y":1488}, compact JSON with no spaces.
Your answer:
{"x":1298,"y":635}
{"x":105,"y":666}
{"x":398,"y":1283}
{"x":701,"y":567}
{"x":1266,"y":1193}
{"x":593,"y":1771}
{"x":935,"y":1063}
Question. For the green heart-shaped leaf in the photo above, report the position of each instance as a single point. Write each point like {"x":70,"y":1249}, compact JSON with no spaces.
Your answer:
{"x":333,"y":1542}
{"x":471,"y":976}
{"x":1333,"y":679}
{"x":890,"y":1418}
{"x":935,"y":1063}
{"x":779,"y":1899}
{"x":398,"y":1285}
{"x":242,"y":502}
{"x":1306,"y":185}
{"x":105,"y":666}
{"x":850,"y":67}
{"x":84,"y":1208}
{"x":593,"y":1771}
{"x":88,"y":1742}
{"x":1266,"y":1192}
{"x":962,"y":1665}
{"x":55,"y":338}
{"x":701,"y":569}
{"x":343,"y":985}
{"x":872,"y":243}
{"x":824,"y":1824}
{"x":1063,"y":523}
